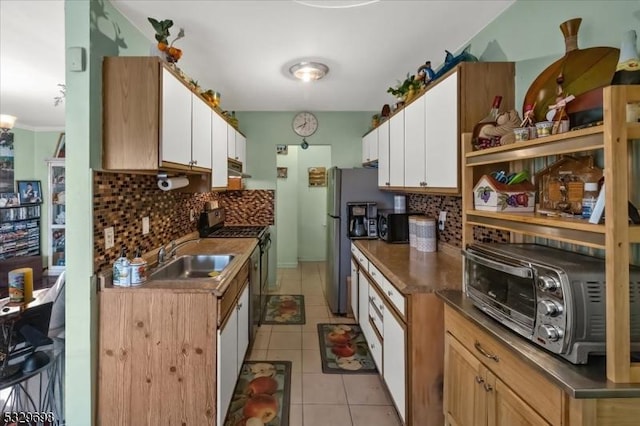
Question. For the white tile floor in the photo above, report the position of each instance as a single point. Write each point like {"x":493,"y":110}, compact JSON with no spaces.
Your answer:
{"x":319,"y":399}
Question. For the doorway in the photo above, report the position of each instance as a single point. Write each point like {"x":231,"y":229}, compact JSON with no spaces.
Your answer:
{"x":301,"y":209}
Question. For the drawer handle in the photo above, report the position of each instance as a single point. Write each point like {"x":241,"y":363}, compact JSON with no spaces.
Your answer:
{"x":479,"y":379}
{"x":373,"y":346}
{"x":382,"y":307}
{"x":484,"y":352}
{"x":488,"y":387}
{"x":373,"y":273}
{"x":390,"y":293}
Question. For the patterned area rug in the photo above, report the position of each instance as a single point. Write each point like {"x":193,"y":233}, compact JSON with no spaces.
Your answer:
{"x":284,"y":309}
{"x":344,"y":350}
{"x":262,"y":395}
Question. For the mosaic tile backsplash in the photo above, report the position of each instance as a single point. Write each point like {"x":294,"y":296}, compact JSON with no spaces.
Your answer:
{"x":432,"y":205}
{"x":121,"y":200}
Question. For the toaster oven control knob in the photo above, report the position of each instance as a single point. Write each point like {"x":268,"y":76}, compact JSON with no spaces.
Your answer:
{"x":549,"y":308}
{"x":547,"y":283}
{"x":550,"y":332}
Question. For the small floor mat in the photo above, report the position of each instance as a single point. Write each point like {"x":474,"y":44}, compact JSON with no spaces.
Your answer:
{"x":344,"y":350}
{"x":284,"y":309}
{"x":263,"y":391}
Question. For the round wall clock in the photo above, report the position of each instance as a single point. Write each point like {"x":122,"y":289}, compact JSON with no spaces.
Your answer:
{"x":305,"y":124}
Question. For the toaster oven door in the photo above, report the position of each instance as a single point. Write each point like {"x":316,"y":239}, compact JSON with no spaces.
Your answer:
{"x":503,"y":288}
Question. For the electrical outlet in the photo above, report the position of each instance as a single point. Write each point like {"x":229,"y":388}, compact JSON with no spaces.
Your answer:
{"x":109,"y":238}
{"x":442,"y":219}
{"x":145,"y":225}
{"x":192,"y":215}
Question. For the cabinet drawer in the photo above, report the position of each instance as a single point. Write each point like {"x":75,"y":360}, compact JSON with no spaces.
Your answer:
{"x":529,"y":385}
{"x":363,"y":261}
{"x":377,"y":276}
{"x":375,"y":298}
{"x":375,"y":316}
{"x":395,"y":296}
{"x":375,"y":347}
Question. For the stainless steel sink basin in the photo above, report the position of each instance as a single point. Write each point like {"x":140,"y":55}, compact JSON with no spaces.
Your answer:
{"x":195,"y":266}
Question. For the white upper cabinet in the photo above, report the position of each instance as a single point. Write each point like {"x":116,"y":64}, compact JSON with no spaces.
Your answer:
{"x":396,"y":149}
{"x":231,"y":141}
{"x":383,"y":154}
{"x":219,"y":173}
{"x":442,"y":144}
{"x":201,"y":133}
{"x":176,"y":120}
{"x":370,"y":146}
{"x":414,"y":143}
{"x":241,"y":149}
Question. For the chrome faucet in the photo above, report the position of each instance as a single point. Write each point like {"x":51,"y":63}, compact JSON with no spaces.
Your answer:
{"x":162,"y":253}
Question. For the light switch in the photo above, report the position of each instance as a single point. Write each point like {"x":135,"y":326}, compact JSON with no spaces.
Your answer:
{"x":76,"y":59}
{"x":442,"y":219}
{"x":145,"y":225}
{"x":109,"y":238}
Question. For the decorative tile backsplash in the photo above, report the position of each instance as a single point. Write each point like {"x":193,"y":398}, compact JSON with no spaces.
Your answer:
{"x":432,"y":205}
{"x":121,"y":200}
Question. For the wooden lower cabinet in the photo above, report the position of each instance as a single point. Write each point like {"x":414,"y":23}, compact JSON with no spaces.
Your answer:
{"x":412,"y":344}
{"x":485,"y":384}
{"x":170,"y":356}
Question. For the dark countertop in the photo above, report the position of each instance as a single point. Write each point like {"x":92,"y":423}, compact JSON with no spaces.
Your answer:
{"x":240,"y":247}
{"x":579,"y":381}
{"x":412,"y":271}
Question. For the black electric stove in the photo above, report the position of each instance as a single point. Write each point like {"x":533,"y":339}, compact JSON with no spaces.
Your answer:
{"x":211,"y":225}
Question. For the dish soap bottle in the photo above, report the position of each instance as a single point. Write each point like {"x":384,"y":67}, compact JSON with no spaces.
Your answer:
{"x":121,"y":270}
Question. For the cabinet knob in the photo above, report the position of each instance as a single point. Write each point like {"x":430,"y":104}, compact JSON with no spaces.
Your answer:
{"x":389,"y":293}
{"x":382,"y":307}
{"x":479,"y":379}
{"x":488,"y":387}
{"x":195,"y":162}
{"x":387,"y":183}
{"x":239,"y":306}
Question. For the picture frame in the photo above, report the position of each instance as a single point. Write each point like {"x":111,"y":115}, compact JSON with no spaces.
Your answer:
{"x":29,"y":191}
{"x":282,"y":172}
{"x":282,"y":149}
{"x":317,"y":176}
{"x":60,"y":147}
{"x":9,"y":199}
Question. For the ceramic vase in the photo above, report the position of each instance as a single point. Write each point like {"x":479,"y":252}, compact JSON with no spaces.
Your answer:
{"x":628,"y":67}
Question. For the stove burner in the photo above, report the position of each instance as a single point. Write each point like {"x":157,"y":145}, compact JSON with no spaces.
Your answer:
{"x":238,"y":232}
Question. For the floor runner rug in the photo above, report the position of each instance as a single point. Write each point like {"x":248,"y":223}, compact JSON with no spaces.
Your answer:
{"x":262,"y":395}
{"x":284,"y":309}
{"x":344,"y":350}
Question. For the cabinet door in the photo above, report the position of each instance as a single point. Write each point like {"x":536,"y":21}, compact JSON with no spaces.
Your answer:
{"x":231,"y":142}
{"x":505,"y":408}
{"x":354,"y":289}
{"x":176,"y":120}
{"x":370,"y":146}
{"x":383,"y":154}
{"x":201,"y":133}
{"x":442,"y":134}
{"x":414,"y":143}
{"x":227,"y":355}
{"x":219,"y":173}
{"x":464,"y":395}
{"x":394,"y":351}
{"x":243,"y":327}
{"x":363,"y":301}
{"x":396,"y":149}
{"x":241,"y":150}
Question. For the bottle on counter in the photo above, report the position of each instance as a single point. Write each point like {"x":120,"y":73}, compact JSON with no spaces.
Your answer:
{"x":122,"y":270}
{"x":138,"y":269}
{"x":589,"y":199}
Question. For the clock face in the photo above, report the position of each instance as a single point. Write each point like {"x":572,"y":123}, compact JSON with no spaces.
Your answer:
{"x":305,"y":124}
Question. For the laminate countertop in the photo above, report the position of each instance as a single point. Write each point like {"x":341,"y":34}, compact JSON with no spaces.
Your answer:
{"x":412,"y":271}
{"x":241,"y":248}
{"x":579,"y":381}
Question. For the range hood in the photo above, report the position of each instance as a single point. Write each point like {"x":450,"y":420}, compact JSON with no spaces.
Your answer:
{"x":234,"y":168}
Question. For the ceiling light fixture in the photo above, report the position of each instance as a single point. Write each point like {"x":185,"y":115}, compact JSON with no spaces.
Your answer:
{"x":7,"y":122}
{"x":308,"y":71}
{"x":335,"y":4}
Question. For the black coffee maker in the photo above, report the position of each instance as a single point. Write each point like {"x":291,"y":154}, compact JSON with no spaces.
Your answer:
{"x":361,"y":218}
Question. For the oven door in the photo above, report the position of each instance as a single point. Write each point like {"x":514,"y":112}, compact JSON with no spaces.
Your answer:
{"x":503,"y":288}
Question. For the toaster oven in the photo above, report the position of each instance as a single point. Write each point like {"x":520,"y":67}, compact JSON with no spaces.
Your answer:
{"x":552,"y":297}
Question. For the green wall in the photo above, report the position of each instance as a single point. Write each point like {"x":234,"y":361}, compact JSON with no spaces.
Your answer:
{"x":528,"y":33}
{"x":102,"y":31}
{"x":264,"y":130}
{"x":287,"y":211}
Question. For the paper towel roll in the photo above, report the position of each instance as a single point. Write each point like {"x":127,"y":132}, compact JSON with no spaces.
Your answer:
{"x":399,"y":203}
{"x":173,"y":183}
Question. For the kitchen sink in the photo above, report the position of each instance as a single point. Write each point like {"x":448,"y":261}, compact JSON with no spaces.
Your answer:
{"x":193,"y":266}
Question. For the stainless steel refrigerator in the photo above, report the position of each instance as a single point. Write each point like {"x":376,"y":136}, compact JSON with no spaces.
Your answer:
{"x":343,"y":186}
